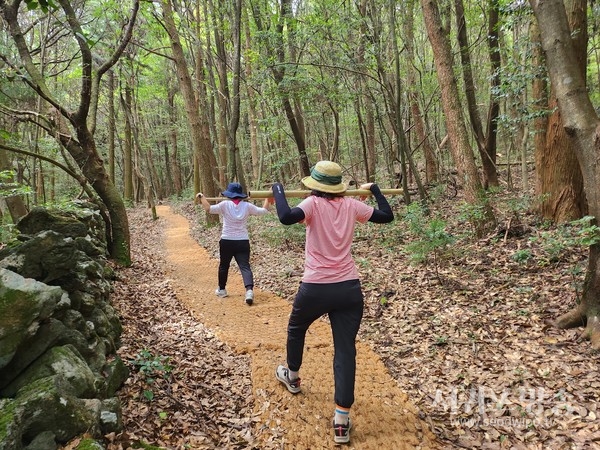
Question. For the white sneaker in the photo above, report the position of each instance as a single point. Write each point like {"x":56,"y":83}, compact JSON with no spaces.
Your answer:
{"x":221,"y":293}
{"x":249,"y":297}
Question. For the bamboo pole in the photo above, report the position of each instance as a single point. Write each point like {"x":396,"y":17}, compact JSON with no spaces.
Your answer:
{"x":301,"y":193}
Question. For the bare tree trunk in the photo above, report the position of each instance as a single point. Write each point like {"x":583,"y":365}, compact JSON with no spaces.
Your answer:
{"x":16,"y":206}
{"x":111,"y":125}
{"x":174,"y":164}
{"x":457,"y":133}
{"x":488,"y":155}
{"x":284,"y":22}
{"x":560,"y":181}
{"x":582,"y":124}
{"x":431,"y":164}
{"x":204,"y":156}
{"x":128,"y":151}
{"x":252,"y":112}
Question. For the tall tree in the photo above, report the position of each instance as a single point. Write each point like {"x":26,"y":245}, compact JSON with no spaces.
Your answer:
{"x":79,"y":138}
{"x":486,"y":142}
{"x":276,"y":51}
{"x":560,"y":182}
{"x":582,"y":125}
{"x":457,"y":133}
{"x":204,"y":157}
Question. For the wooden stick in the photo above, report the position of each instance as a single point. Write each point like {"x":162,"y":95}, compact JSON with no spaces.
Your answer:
{"x":301,"y":193}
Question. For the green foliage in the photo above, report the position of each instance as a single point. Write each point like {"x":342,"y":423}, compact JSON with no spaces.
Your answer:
{"x":521,"y":256}
{"x":8,"y":232}
{"x":10,"y":189}
{"x":432,"y":239}
{"x":152,"y":366}
{"x":578,"y":233}
{"x":44,"y":5}
{"x":284,"y":235}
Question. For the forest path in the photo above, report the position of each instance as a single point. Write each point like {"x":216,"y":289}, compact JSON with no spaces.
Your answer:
{"x":383,"y":417}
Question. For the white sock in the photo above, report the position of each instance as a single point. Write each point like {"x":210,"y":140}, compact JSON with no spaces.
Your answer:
{"x":292,"y":375}
{"x":341,"y":416}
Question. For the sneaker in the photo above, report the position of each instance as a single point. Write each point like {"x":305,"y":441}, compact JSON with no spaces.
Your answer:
{"x":282,"y":374}
{"x":341,"y":433}
{"x":249,"y":297}
{"x":221,"y":293}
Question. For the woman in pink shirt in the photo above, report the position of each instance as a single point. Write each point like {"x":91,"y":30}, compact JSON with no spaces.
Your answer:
{"x":330,"y":283}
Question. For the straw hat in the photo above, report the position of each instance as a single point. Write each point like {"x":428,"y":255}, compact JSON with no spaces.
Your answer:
{"x":325,"y":176}
{"x":234,"y":190}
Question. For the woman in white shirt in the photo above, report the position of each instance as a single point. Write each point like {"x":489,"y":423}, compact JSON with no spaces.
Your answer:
{"x":235,"y":241}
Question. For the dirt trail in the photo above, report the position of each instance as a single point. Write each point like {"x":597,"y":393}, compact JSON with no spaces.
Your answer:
{"x":383,"y":416}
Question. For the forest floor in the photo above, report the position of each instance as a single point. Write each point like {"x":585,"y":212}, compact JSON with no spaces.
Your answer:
{"x":456,"y":353}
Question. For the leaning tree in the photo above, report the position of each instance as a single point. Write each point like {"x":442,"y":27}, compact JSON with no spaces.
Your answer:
{"x":582,"y":124}
{"x":71,"y":123}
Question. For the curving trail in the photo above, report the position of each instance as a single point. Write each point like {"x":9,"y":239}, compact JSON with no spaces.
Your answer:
{"x":383,"y":416}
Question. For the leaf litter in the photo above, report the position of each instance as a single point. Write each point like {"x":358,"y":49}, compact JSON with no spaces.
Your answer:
{"x":470,"y":342}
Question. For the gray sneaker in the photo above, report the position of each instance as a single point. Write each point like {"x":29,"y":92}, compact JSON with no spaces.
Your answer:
{"x":249,"y":297}
{"x":282,"y":373}
{"x":341,"y":433}
{"x":221,"y":293}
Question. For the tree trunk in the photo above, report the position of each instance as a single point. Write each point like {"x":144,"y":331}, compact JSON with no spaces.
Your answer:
{"x":285,"y":21}
{"x":422,"y":138}
{"x":127,"y":151}
{"x":483,"y":220}
{"x":487,"y":155}
{"x":111,"y":126}
{"x":15,"y":204}
{"x":560,"y":180}
{"x":175,"y":167}
{"x":81,"y":146}
{"x":582,"y":124}
{"x":204,"y":155}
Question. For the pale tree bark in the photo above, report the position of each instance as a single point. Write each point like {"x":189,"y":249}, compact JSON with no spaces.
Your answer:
{"x":560,"y":181}
{"x":582,"y":125}
{"x":221,"y":89}
{"x":78,"y":140}
{"x":460,"y":147}
{"x":204,"y":157}
{"x":236,"y":168}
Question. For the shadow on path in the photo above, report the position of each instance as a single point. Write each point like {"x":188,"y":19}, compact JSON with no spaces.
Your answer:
{"x":383,"y":417}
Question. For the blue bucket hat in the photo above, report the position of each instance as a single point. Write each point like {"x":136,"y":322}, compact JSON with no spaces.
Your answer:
{"x":234,"y":190}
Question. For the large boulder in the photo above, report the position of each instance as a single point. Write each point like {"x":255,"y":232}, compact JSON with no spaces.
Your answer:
{"x":24,"y":305}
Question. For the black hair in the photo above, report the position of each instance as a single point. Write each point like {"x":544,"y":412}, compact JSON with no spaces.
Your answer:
{"x":325,"y":195}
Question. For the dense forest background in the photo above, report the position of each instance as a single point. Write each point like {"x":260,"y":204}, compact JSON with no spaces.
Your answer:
{"x":484,"y":113}
{"x":143,"y":101}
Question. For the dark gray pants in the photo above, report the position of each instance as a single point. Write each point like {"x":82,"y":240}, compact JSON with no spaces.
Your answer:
{"x":343,"y":303}
{"x":240,"y":250}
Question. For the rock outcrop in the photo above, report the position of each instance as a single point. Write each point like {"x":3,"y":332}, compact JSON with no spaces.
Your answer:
{"x":59,"y":371}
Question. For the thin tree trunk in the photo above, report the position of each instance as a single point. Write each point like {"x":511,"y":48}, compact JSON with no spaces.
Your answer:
{"x":461,"y":150}
{"x":204,"y":157}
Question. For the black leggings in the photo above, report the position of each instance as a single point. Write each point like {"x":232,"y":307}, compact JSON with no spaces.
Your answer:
{"x":240,"y":250}
{"x":343,"y":303}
